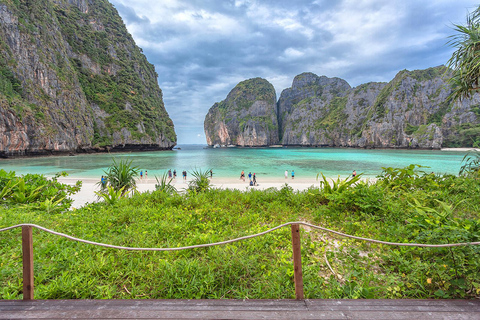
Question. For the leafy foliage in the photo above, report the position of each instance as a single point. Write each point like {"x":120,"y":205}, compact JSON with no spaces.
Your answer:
{"x":35,"y":191}
{"x":200,"y":181}
{"x":120,"y":176}
{"x":471,"y":164}
{"x":165,"y":184}
{"x":465,"y":61}
{"x":403,"y":205}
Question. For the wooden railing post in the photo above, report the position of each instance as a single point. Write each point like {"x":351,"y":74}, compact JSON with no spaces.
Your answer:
{"x":297,"y":261}
{"x":27,"y":249}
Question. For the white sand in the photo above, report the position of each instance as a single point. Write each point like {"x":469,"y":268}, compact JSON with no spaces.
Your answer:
{"x":460,"y":149}
{"x":89,"y":186}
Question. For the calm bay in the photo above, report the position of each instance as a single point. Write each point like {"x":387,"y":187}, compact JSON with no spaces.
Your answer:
{"x":268,"y":163}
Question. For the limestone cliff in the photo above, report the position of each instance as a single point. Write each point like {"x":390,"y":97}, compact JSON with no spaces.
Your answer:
{"x":411,"y":111}
{"x":73,"y":80}
{"x":247,"y":117}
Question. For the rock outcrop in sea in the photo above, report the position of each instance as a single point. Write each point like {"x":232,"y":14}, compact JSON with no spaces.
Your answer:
{"x":247,"y":117}
{"x":414,"y":110}
{"x":73,"y":80}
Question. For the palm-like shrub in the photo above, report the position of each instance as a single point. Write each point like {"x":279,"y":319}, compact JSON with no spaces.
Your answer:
{"x":465,"y":61}
{"x":121,"y":175}
{"x":200,"y":181}
{"x":164,"y":184}
{"x":337,"y":186}
{"x":471,"y":164}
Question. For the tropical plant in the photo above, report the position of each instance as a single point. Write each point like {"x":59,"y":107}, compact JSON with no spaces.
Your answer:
{"x":465,"y":61}
{"x":120,"y":176}
{"x":36,"y":190}
{"x":403,"y":178}
{"x":337,"y":186}
{"x":110,"y":195}
{"x":50,"y":205}
{"x":165,"y":184}
{"x":200,"y":181}
{"x":471,"y":163}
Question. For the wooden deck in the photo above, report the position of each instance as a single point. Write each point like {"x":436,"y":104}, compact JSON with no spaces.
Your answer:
{"x":241,"y":309}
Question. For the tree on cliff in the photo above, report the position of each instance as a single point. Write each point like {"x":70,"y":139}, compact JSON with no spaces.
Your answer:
{"x":465,"y":61}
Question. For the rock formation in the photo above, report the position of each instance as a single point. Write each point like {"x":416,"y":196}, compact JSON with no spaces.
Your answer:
{"x":411,"y":111}
{"x":247,"y":117}
{"x":73,"y":80}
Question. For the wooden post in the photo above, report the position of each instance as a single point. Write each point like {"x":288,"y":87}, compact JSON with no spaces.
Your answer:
{"x":27,"y":249}
{"x":297,"y":261}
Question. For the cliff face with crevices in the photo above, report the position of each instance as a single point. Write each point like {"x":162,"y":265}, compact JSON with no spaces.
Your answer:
{"x":411,"y":111}
{"x":247,"y":117}
{"x":414,"y":110}
{"x":73,"y":80}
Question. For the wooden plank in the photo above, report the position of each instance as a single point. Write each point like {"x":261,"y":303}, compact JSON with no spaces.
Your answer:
{"x":241,"y":309}
{"x":297,"y":261}
{"x":27,"y":250}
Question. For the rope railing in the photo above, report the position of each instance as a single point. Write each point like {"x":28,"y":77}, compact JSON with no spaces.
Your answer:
{"x":27,"y":249}
{"x":406,"y":244}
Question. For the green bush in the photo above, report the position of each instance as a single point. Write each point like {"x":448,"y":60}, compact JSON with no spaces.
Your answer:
{"x":403,"y":205}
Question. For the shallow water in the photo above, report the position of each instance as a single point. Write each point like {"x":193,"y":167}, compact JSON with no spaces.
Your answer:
{"x":229,"y":162}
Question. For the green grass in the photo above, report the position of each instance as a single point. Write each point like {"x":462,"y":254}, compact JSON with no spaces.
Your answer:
{"x":393,"y":209}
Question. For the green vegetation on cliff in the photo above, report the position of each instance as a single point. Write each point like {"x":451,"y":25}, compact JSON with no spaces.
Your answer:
{"x":79,"y":80}
{"x":121,"y":79}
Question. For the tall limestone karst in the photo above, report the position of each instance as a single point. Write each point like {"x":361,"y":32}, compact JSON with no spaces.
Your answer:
{"x":247,"y":117}
{"x":72,"y":80}
{"x":414,"y":110}
{"x":411,"y":111}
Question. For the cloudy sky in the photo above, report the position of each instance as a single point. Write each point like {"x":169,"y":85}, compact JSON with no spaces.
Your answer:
{"x":202,"y":48}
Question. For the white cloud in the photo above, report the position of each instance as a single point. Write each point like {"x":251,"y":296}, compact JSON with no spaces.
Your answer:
{"x":202,"y":49}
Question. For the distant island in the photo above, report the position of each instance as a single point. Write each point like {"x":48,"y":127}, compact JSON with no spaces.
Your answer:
{"x":414,"y":110}
{"x":73,"y":80}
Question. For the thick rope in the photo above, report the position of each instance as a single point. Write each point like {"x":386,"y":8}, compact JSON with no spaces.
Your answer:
{"x":244,"y":238}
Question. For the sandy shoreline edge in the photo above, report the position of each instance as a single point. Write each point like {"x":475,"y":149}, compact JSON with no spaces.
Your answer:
{"x":89,"y":185}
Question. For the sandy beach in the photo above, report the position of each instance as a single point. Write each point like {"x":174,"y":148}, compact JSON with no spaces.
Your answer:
{"x":89,"y":186}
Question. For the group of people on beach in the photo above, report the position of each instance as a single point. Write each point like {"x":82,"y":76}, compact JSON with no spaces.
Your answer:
{"x":251,"y":178}
{"x":171,"y":174}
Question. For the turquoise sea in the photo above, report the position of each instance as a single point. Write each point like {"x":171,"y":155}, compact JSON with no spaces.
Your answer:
{"x":269,"y":163}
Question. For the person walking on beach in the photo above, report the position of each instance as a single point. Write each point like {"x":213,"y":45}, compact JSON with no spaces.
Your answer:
{"x":250,"y":176}
{"x":354,"y":174}
{"x":254,"y":180}
{"x":146,"y":175}
{"x":286,"y":174}
{"x":170,"y":174}
{"x":174,"y":173}
{"x":242,"y":176}
{"x":293,"y":174}
{"x":141,"y":174}
{"x":211,"y":174}
{"x":103,"y":181}
{"x":184,"y":173}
